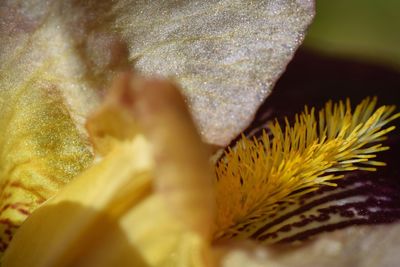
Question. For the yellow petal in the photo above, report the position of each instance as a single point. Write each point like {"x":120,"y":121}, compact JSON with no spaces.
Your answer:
{"x":144,"y":203}
{"x":156,"y":108}
{"x":113,"y":121}
{"x":41,"y":150}
{"x":72,"y":227}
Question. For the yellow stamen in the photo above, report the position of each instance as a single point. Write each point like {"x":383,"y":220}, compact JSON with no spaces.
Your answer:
{"x":257,"y":175}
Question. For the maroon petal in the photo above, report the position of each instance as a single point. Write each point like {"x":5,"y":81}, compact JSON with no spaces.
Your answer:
{"x":362,"y":197}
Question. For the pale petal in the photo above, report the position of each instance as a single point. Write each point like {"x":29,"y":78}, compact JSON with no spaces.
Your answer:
{"x":366,"y":246}
{"x":226,"y":54}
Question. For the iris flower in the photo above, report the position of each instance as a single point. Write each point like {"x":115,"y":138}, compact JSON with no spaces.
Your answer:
{"x":93,"y":176}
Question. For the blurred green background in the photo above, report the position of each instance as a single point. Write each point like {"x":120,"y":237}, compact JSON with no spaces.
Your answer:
{"x":367,"y":30}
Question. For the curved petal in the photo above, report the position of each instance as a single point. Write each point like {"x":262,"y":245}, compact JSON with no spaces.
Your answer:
{"x":148,"y":201}
{"x":41,"y":150}
{"x":58,"y":232}
{"x":355,"y":246}
{"x":226,"y":54}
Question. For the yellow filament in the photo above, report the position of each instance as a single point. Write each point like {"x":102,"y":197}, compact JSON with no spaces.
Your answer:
{"x":257,"y":175}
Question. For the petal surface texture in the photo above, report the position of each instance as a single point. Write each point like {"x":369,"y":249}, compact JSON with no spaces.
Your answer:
{"x":41,"y":151}
{"x":226,"y":55}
